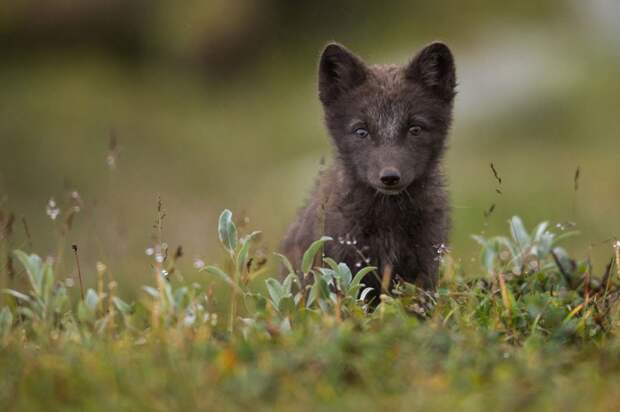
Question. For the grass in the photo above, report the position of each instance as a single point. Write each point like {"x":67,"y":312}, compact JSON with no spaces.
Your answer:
{"x":535,"y":330}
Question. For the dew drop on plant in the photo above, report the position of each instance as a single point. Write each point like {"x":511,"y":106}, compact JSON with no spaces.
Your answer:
{"x":159,"y":258}
{"x":149,"y":251}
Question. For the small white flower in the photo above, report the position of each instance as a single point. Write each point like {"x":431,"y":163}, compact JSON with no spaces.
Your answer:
{"x":199,"y":263}
{"x":159,"y":258}
{"x":149,"y":251}
{"x":111,"y":160}
{"x":441,"y":250}
{"x":52,"y":209}
{"x":189,"y":319}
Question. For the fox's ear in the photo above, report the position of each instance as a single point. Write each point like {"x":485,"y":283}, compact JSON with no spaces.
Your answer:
{"x":339,"y":71}
{"x":434,"y":68}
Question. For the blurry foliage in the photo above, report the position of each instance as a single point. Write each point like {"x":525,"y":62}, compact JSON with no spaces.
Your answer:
{"x":509,"y":337}
{"x":213,"y":104}
{"x":224,"y":35}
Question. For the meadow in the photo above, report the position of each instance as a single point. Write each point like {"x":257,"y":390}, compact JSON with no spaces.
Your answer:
{"x":536,"y":330}
{"x":126,"y":128}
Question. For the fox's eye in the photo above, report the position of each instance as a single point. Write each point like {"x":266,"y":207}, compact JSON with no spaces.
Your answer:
{"x":361,"y":132}
{"x":415,"y":130}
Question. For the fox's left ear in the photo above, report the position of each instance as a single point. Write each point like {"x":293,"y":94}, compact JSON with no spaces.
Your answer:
{"x":434,"y":68}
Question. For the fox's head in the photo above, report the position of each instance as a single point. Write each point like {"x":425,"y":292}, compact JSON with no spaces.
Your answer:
{"x":388,"y":123}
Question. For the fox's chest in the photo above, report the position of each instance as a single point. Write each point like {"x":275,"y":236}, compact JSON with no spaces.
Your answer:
{"x":387,"y":248}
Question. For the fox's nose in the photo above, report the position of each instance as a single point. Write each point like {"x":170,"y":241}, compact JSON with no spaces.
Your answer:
{"x":390,"y":176}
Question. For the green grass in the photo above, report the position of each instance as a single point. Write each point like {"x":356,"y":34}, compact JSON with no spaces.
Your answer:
{"x":535,"y":330}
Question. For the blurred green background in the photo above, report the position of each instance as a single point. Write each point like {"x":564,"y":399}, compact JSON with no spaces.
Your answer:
{"x":213,"y":104}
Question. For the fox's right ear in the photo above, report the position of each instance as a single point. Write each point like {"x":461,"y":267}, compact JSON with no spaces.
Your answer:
{"x":339,"y":71}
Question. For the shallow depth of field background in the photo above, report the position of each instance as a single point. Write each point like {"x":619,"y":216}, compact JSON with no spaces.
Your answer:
{"x":214,"y":105}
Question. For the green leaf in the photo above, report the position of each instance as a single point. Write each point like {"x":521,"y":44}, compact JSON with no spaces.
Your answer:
{"x":287,"y":305}
{"x":32,"y":264}
{"x":179,"y":295}
{"x":6,"y":321}
{"x":365,"y":293}
{"x":344,"y":275}
{"x":540,"y":230}
{"x":288,"y":282}
{"x":309,"y":255}
{"x":168,"y":294}
{"x":276,"y":291}
{"x":331,"y":262}
{"x":287,"y":263}
{"x":488,"y":257}
{"x":91,"y":300}
{"x":258,"y":301}
{"x":357,"y":279}
{"x":328,"y":275}
{"x":17,"y":295}
{"x":242,"y":257}
{"x":227,"y":231}
{"x":480,"y":240}
{"x":519,"y":233}
{"x":151,"y":291}
{"x":122,"y":306}
{"x":47,"y":281}
{"x":223,"y":275}
{"x":319,"y":290}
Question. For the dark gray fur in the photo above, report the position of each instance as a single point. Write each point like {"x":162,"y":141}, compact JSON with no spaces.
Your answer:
{"x":403,"y":230}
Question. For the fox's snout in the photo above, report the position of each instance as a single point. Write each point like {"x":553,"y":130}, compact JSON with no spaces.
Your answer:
{"x":389,"y":176}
